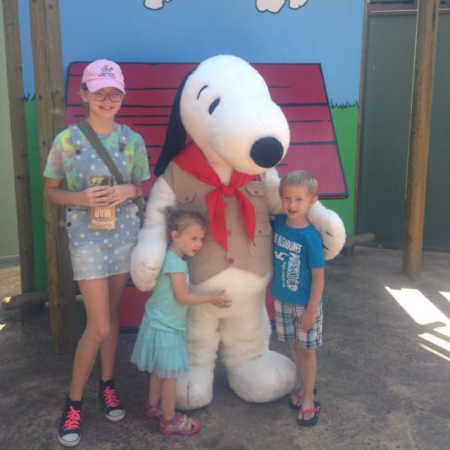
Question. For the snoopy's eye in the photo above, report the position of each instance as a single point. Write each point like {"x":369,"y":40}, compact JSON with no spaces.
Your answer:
{"x":201,"y":90}
{"x":213,"y":105}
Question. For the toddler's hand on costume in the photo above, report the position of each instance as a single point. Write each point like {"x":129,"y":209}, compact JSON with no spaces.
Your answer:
{"x":307,"y":320}
{"x":95,"y":196}
{"x":218,"y":300}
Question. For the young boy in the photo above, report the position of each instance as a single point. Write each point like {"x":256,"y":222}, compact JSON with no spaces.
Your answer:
{"x":297,"y":287}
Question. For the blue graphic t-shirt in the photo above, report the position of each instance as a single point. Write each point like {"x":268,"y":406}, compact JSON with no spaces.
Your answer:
{"x":295,"y":252}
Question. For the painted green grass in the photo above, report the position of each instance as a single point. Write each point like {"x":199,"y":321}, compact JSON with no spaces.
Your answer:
{"x":345,"y":120}
{"x":37,"y":205}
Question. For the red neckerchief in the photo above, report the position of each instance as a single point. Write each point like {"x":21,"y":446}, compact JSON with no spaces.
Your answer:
{"x":193,"y":161}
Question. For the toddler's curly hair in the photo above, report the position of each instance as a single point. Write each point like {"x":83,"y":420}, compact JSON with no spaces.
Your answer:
{"x":179,"y":219}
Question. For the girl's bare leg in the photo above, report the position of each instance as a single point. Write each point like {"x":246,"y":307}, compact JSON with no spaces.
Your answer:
{"x":168,"y":396}
{"x":96,"y":301}
{"x":108,"y":347}
{"x":154,"y":394}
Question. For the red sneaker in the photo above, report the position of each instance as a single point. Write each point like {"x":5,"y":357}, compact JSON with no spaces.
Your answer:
{"x":69,"y":432}
{"x":109,"y":401}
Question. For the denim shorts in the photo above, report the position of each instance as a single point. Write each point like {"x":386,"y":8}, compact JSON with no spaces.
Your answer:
{"x":101,"y":253}
{"x":97,"y":261}
{"x":287,"y":323}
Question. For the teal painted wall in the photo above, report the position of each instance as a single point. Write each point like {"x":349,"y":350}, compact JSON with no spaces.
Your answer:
{"x":385,"y":134}
{"x":9,"y":247}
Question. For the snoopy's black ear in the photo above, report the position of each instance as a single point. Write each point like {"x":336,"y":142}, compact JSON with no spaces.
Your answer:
{"x":176,"y":134}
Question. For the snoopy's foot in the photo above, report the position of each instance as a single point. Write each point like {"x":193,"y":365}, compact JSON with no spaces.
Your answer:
{"x":264,"y":378}
{"x":195,"y":388}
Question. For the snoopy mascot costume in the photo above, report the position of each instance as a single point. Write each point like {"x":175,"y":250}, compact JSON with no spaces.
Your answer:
{"x":224,"y":137}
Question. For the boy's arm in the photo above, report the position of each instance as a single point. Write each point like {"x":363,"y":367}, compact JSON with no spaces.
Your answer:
{"x":180,"y":288}
{"x":317,"y":286}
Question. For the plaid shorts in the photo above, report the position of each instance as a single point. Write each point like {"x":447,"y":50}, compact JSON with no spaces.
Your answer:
{"x":287,"y":323}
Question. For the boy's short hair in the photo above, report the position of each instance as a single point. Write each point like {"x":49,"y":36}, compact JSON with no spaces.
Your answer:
{"x":300,"y":178}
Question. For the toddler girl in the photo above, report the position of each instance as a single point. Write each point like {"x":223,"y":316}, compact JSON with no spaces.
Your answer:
{"x":160,"y":346}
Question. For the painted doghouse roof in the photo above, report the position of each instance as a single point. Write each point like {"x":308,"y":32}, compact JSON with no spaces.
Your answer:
{"x":299,"y":89}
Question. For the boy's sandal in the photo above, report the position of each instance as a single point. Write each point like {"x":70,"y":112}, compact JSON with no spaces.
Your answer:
{"x":314,"y":419}
{"x":296,"y":399}
{"x":153,"y":412}
{"x":179,"y":424}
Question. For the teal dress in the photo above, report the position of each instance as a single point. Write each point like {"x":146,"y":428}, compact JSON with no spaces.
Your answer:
{"x":161,"y":340}
{"x":98,"y":253}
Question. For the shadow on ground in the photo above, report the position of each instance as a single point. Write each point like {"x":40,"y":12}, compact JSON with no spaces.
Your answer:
{"x":383,"y":379}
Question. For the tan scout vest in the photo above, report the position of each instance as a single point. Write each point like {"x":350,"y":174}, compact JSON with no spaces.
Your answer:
{"x":254,"y":257}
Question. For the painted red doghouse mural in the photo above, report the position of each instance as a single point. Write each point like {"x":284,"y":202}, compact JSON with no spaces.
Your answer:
{"x":299,"y":89}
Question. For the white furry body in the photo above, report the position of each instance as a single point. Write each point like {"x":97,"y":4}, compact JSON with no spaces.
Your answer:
{"x":254,"y":373}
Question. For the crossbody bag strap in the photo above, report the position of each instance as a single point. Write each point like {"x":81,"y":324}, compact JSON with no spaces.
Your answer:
{"x":94,"y":140}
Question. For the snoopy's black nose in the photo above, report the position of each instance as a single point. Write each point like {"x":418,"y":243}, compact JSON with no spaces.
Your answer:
{"x":266,"y":152}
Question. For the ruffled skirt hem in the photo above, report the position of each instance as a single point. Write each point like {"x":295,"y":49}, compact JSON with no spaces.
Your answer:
{"x":160,"y":351}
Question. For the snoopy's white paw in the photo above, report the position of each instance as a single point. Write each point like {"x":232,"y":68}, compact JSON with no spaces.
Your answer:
{"x":195,"y":388}
{"x":333,"y":241}
{"x":331,"y":228}
{"x":264,"y":378}
{"x":144,"y":272}
{"x":144,"y":277}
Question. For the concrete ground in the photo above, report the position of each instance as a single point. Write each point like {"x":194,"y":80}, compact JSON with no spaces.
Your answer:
{"x":383,"y":378}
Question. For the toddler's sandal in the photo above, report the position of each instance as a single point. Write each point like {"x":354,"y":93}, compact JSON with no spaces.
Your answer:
{"x":314,"y":419}
{"x":153,"y":412}
{"x":179,"y":424}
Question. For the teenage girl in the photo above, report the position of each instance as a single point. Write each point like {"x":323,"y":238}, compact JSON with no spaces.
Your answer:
{"x":100,"y":258}
{"x":161,"y":341}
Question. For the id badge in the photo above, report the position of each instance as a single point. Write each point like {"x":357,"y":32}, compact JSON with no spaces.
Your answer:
{"x":102,"y":217}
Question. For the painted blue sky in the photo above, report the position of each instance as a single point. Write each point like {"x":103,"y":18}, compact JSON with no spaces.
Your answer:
{"x":325,"y":31}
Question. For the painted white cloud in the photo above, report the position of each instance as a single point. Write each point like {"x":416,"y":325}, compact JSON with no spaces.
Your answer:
{"x":273,"y":6}
{"x":155,"y":4}
{"x":297,"y":3}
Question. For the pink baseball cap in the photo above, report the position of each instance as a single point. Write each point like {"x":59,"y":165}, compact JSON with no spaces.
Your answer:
{"x":103,"y":73}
